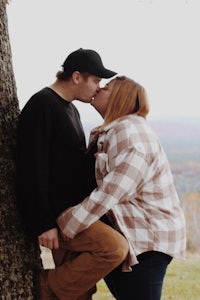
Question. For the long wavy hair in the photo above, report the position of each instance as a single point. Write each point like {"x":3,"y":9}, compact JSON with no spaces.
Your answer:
{"x":127,"y":97}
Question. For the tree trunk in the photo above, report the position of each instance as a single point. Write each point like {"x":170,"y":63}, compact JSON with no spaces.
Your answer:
{"x":19,"y":255}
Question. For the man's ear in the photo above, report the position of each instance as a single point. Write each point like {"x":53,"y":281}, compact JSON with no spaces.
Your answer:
{"x":76,"y":77}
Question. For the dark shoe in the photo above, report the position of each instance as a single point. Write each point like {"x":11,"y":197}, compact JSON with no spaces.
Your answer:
{"x":45,"y":292}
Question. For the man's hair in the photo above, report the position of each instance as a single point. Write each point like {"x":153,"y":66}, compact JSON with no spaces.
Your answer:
{"x":65,"y":76}
{"x":127,"y":97}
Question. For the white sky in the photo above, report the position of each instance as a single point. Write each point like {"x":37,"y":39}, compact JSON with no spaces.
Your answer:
{"x":154,"y":42}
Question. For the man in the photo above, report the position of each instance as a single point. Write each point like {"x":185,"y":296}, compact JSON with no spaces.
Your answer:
{"x":52,"y":176}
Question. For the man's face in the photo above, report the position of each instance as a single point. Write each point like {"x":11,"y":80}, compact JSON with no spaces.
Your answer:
{"x":88,"y":88}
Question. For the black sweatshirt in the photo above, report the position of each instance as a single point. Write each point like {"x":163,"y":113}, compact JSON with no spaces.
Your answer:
{"x":51,"y":160}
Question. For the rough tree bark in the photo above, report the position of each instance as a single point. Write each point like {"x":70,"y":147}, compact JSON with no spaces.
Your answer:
{"x":19,"y":256}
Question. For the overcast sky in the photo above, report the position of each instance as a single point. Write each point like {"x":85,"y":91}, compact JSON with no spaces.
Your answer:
{"x":154,"y":42}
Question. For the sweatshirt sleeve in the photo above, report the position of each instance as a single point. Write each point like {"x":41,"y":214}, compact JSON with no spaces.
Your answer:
{"x":123,"y":168}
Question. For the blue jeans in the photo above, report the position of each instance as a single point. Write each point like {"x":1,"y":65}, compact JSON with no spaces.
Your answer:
{"x":144,"y":282}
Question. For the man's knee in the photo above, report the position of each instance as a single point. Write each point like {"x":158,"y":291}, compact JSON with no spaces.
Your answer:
{"x":121,"y":247}
{"x":112,"y":241}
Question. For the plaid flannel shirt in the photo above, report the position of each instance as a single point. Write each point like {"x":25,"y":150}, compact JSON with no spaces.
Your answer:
{"x":135,"y":190}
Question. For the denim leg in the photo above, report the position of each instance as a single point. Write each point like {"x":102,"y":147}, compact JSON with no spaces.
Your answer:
{"x":144,"y":282}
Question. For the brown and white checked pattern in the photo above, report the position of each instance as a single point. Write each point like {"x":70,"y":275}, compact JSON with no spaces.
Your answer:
{"x":135,"y":189}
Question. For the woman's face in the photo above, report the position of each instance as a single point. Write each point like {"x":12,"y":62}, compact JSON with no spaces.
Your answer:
{"x":100,"y":101}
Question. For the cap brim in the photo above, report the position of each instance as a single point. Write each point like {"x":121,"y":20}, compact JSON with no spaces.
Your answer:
{"x":105,"y":73}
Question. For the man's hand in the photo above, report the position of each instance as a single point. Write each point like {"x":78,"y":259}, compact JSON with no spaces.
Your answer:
{"x":49,"y":239}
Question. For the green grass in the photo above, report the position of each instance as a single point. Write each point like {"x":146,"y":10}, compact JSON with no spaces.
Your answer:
{"x":182,"y":281}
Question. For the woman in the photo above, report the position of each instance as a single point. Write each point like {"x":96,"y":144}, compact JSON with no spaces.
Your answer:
{"x":135,"y":192}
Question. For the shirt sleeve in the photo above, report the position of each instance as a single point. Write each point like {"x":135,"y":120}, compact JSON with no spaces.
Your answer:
{"x":124,"y":168}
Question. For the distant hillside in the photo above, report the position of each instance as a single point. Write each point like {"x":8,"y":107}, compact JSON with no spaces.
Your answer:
{"x":180,"y":137}
{"x":181,"y":141}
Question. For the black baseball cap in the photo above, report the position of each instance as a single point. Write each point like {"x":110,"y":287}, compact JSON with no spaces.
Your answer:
{"x":86,"y":60}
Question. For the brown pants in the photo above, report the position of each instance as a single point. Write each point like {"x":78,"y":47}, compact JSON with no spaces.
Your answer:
{"x":84,"y":260}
